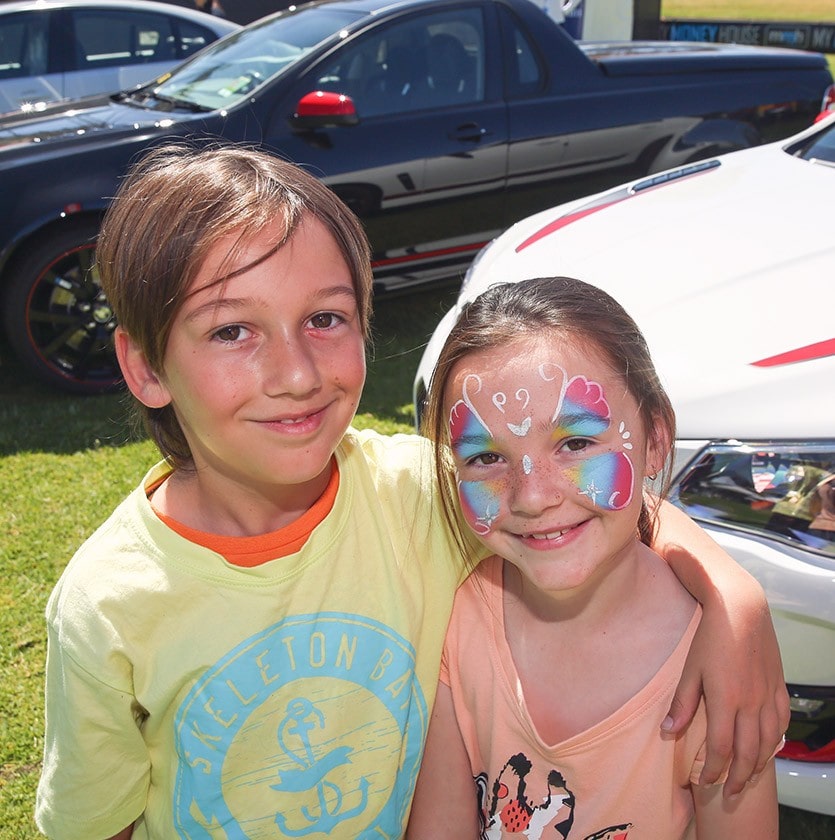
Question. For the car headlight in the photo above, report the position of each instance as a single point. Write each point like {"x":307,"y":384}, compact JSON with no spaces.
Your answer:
{"x":811,"y":733}
{"x":783,"y":491}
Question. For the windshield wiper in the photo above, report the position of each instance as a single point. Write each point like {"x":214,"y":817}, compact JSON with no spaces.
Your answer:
{"x":133,"y":97}
{"x":186,"y":104}
{"x":142,"y":96}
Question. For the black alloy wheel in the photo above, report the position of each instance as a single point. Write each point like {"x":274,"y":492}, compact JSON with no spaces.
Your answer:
{"x":57,"y":318}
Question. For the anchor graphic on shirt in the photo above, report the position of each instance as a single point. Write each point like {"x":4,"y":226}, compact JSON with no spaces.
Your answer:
{"x":301,"y":719}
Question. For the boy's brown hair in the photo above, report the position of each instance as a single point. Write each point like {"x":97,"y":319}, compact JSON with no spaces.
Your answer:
{"x":170,"y":210}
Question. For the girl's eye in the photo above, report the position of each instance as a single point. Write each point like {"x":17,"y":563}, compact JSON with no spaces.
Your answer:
{"x":231,"y":332}
{"x":485,"y":459}
{"x":324,"y":320}
{"x":577,"y":444}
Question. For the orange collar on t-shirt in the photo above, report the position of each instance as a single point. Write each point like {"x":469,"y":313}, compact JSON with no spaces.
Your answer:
{"x":253,"y":551}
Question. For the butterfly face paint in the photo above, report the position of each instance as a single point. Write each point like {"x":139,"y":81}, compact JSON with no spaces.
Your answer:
{"x":608,"y":478}
{"x":525,"y":427}
{"x":471,"y":438}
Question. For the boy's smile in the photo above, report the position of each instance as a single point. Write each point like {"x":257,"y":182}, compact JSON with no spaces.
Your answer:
{"x":264,"y":371}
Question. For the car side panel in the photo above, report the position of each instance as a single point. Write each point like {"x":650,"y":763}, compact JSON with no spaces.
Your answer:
{"x":416,"y":175}
{"x":582,"y":131}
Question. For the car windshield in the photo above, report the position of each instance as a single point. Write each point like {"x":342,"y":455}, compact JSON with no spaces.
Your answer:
{"x":819,"y":148}
{"x":228,"y":71}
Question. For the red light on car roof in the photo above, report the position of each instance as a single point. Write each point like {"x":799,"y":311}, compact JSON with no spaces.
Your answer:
{"x":819,"y":350}
{"x":827,"y":105}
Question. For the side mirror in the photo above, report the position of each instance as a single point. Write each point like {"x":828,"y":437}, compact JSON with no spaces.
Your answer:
{"x":321,"y":108}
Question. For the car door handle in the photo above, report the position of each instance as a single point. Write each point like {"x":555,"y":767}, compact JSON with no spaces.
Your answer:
{"x":470,"y":132}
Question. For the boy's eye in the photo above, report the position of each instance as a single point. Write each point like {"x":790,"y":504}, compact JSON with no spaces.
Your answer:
{"x":577,"y":444}
{"x":324,"y":320}
{"x":232,"y":332}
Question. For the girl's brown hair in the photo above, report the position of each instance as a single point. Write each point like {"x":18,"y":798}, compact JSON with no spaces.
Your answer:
{"x":567,"y":308}
{"x":172,"y":207}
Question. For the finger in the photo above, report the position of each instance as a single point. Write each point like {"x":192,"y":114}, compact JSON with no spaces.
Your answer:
{"x":746,"y":751}
{"x":720,"y":743}
{"x":683,"y":705}
{"x":784,"y":708}
{"x":771,"y":736}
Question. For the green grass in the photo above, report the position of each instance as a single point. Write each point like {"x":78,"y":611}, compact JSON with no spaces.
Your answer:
{"x":815,"y":11}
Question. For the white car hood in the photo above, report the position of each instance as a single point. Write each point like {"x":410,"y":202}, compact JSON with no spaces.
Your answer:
{"x":720,"y":270}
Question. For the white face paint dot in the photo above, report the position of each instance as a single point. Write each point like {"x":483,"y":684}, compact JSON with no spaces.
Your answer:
{"x":527,"y":464}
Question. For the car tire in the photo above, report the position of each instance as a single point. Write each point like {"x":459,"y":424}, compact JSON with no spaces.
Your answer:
{"x":55,"y":314}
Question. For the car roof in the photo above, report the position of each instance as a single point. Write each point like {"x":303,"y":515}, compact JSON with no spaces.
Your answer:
{"x":376,"y":6}
{"x":9,"y":6}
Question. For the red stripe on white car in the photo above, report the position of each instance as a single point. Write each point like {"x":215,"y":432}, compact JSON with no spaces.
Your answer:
{"x":819,"y":350}
{"x":570,"y":218}
{"x":647,"y":185}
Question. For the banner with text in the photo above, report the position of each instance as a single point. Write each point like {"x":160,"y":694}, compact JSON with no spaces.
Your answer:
{"x":818,"y":37}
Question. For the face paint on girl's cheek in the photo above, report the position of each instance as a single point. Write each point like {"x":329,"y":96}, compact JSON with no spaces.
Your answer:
{"x":469,"y":436}
{"x":608,"y":480}
{"x":479,"y":504}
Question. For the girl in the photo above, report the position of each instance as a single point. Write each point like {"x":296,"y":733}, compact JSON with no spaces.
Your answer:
{"x":564,"y":648}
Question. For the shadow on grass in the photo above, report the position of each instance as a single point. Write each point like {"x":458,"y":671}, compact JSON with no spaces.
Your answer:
{"x":37,"y":418}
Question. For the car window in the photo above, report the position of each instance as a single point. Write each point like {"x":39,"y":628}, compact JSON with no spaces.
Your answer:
{"x":230,"y":70}
{"x":820,"y":147}
{"x":191,"y":37}
{"x":23,"y":45}
{"x":110,"y":38}
{"x":784,"y":492}
{"x":523,"y":69}
{"x":429,"y":61}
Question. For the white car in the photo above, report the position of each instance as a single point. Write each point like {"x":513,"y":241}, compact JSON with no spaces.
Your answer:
{"x":728,"y":266}
{"x":56,"y":50}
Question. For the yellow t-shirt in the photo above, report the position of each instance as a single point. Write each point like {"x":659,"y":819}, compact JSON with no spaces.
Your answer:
{"x":204,"y":699}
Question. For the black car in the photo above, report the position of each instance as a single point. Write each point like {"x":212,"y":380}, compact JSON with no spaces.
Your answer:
{"x":440,"y":122}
